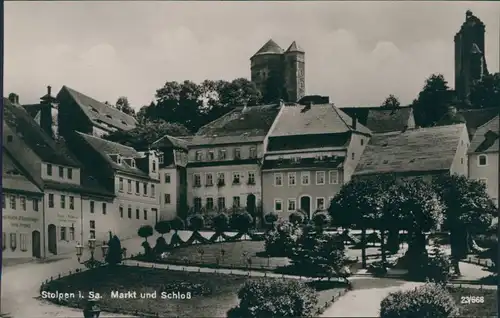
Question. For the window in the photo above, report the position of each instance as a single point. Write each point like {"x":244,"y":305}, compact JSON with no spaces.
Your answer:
{"x":199,"y":156}
{"x":160,"y":158}
{"x":154,"y":166}
{"x":320,"y":203}
{"x":49,"y":169}
{"x":237,"y":153}
{"x":137,"y":187}
{"x":197,"y":204}
{"x":462,"y":160}
{"x":137,"y":214}
{"x":35,"y":205}
{"x":209,"y":179}
{"x":304,"y":176}
{"x":211,"y":155}
{"x":63,"y":233}
{"x":129,"y":186}
{"x":333,"y":177}
{"x":482,"y":160}
{"x":92,"y":206}
{"x":166,"y":198}
{"x":145,"y":214}
{"x":63,"y":201}
{"x":51,"y":200}
{"x":210,"y":204}
{"x":236,"y":202}
{"x":104,"y":208}
{"x":92,"y":229}
{"x":251,"y":177}
{"x":167,"y":177}
{"x":9,"y":138}
{"x":92,"y":224}
{"x":121,"y":211}
{"x":70,"y":173}
{"x":221,"y":203}
{"x":362,"y":141}
{"x":292,"y":178}
{"x":278,"y":179}
{"x":197,"y":180}
{"x":278,"y":205}
{"x":61,"y":172}
{"x":120,"y":184}
{"x":23,"y":203}
{"x":153,"y":192}
{"x":129,"y":212}
{"x":236,"y":178}
{"x":71,"y":202}
{"x":222,"y":154}
{"x":12,"y":202}
{"x":72,"y":233}
{"x":292,"y":205}
{"x":145,"y":188}
{"x":3,"y":201}
{"x":352,"y":156}
{"x":221,"y":176}
{"x":13,"y":241}
{"x":320,"y":177}
{"x":253,"y":152}
{"x":23,"y":238}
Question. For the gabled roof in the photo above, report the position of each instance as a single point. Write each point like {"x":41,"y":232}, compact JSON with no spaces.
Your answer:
{"x":99,"y":112}
{"x":415,"y":150}
{"x":35,"y":138}
{"x":170,"y":141}
{"x":269,"y":48}
{"x":477,"y":117}
{"x":13,"y":177}
{"x":486,"y":137}
{"x":294,"y":47}
{"x":34,"y":109}
{"x":242,"y":124}
{"x":380,"y":120}
{"x":314,"y":120}
{"x":106,"y":148}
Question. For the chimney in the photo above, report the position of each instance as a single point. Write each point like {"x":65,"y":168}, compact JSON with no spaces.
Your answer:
{"x":49,"y":90}
{"x":354,"y":121}
{"x":14,"y":98}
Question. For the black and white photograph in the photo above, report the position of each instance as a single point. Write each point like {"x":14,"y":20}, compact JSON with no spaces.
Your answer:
{"x":247,"y":159}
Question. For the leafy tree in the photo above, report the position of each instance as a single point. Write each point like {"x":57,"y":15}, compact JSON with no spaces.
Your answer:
{"x":281,"y":240}
{"x":320,"y":220}
{"x":163,"y":227}
{"x":145,"y":231}
{"x":196,"y":222}
{"x":220,"y":222}
{"x":438,"y":267}
{"x":177,"y":224}
{"x":467,"y":208}
{"x":296,"y":218}
{"x":114,"y":255}
{"x":391,"y":102}
{"x":432,"y":102}
{"x":241,"y":222}
{"x":486,"y":92}
{"x":271,"y":218}
{"x":123,"y":105}
{"x":275,"y":298}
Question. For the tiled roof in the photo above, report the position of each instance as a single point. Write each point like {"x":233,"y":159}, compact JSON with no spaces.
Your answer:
{"x":106,"y":148}
{"x":314,"y":120}
{"x":99,"y":112}
{"x":33,"y":135}
{"x":170,"y":141}
{"x":486,"y":137}
{"x":269,"y":48}
{"x":415,"y":150}
{"x":380,"y":120}
{"x":243,"y":124}
{"x":477,"y":117}
{"x":294,"y":47}
{"x":13,"y":177}
{"x":33,"y":109}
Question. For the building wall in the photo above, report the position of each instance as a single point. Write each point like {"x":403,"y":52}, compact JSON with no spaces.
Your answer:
{"x":488,"y":173}
{"x":100,"y":216}
{"x":18,"y":224}
{"x":356,"y":147}
{"x":245,"y":150}
{"x":294,"y":75}
{"x":170,"y":189}
{"x":460,"y":161}
{"x":52,"y":172}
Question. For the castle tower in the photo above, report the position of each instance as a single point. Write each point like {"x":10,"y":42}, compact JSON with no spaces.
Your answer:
{"x":267,"y":71}
{"x":469,"y":51}
{"x":294,"y":72}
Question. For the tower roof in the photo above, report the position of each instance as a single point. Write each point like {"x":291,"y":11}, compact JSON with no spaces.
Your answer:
{"x":294,"y":47}
{"x":475,"y":49}
{"x":269,"y":48}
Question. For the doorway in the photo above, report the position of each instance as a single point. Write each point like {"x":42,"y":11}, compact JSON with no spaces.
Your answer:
{"x":35,"y":244}
{"x":52,"y":233}
{"x":305,"y":205}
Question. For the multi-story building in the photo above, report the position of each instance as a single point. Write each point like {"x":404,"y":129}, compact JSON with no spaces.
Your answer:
{"x":224,"y":159}
{"x":132,"y":177}
{"x":483,"y":156}
{"x":421,"y":152}
{"x":311,"y":151}
{"x":172,"y":158}
{"x":381,"y":119}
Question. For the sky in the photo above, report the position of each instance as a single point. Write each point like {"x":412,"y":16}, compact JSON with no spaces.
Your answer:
{"x":356,"y":52}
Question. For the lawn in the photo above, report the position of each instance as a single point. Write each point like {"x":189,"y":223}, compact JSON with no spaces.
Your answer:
{"x":212,"y":294}
{"x":487,"y":309}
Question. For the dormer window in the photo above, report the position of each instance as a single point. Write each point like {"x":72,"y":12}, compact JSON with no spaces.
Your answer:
{"x":154,"y":166}
{"x":237,"y":153}
{"x":123,"y":122}
{"x":253,"y":152}
{"x":109,"y":116}
{"x":222,"y":154}
{"x":198,"y":156}
{"x":132,"y":163}
{"x":94,"y":110}
{"x":161,"y":158}
{"x":211,"y":155}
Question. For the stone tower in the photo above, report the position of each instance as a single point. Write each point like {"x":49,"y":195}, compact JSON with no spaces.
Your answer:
{"x":470,"y":63}
{"x":279,"y":74}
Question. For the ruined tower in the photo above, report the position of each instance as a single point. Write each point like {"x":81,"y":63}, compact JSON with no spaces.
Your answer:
{"x":279,"y":74}
{"x":470,"y":63}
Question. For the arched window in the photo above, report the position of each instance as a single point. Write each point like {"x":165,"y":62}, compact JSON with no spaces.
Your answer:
{"x":482,"y":160}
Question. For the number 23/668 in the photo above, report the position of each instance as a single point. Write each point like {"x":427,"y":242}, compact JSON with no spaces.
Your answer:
{"x":472,"y":300}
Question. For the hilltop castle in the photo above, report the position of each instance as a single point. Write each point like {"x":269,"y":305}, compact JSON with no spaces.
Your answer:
{"x":279,"y":74}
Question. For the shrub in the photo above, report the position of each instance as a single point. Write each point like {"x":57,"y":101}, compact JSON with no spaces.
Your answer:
{"x":241,"y":222}
{"x":177,"y":224}
{"x":275,"y":298}
{"x":145,"y":231}
{"x":271,"y":218}
{"x":196,"y":222}
{"x":297,"y":218}
{"x":438,"y":267}
{"x":163,"y":227}
{"x":160,"y":246}
{"x":220,"y":222}
{"x":280,"y":241}
{"x":114,"y":255}
{"x":426,"y":301}
{"x":321,"y":219}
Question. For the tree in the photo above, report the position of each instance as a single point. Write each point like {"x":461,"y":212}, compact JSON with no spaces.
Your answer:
{"x":320,"y":220}
{"x":177,"y":224}
{"x":432,"y":102}
{"x":123,"y":105}
{"x":467,"y":208}
{"x":486,"y":92}
{"x":145,"y":231}
{"x":271,"y":218}
{"x":241,"y":222}
{"x":146,"y":133}
{"x":220,"y":222}
{"x":196,"y":222}
{"x":391,"y":102}
{"x":163,"y":227}
{"x":114,"y":255}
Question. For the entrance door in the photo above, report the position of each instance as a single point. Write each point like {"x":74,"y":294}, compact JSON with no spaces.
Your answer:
{"x":35,"y":244}
{"x":252,"y":207}
{"x":52,"y":233}
{"x":305,"y":205}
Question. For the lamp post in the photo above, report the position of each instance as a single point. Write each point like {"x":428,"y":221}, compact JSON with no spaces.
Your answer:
{"x":91,"y":262}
